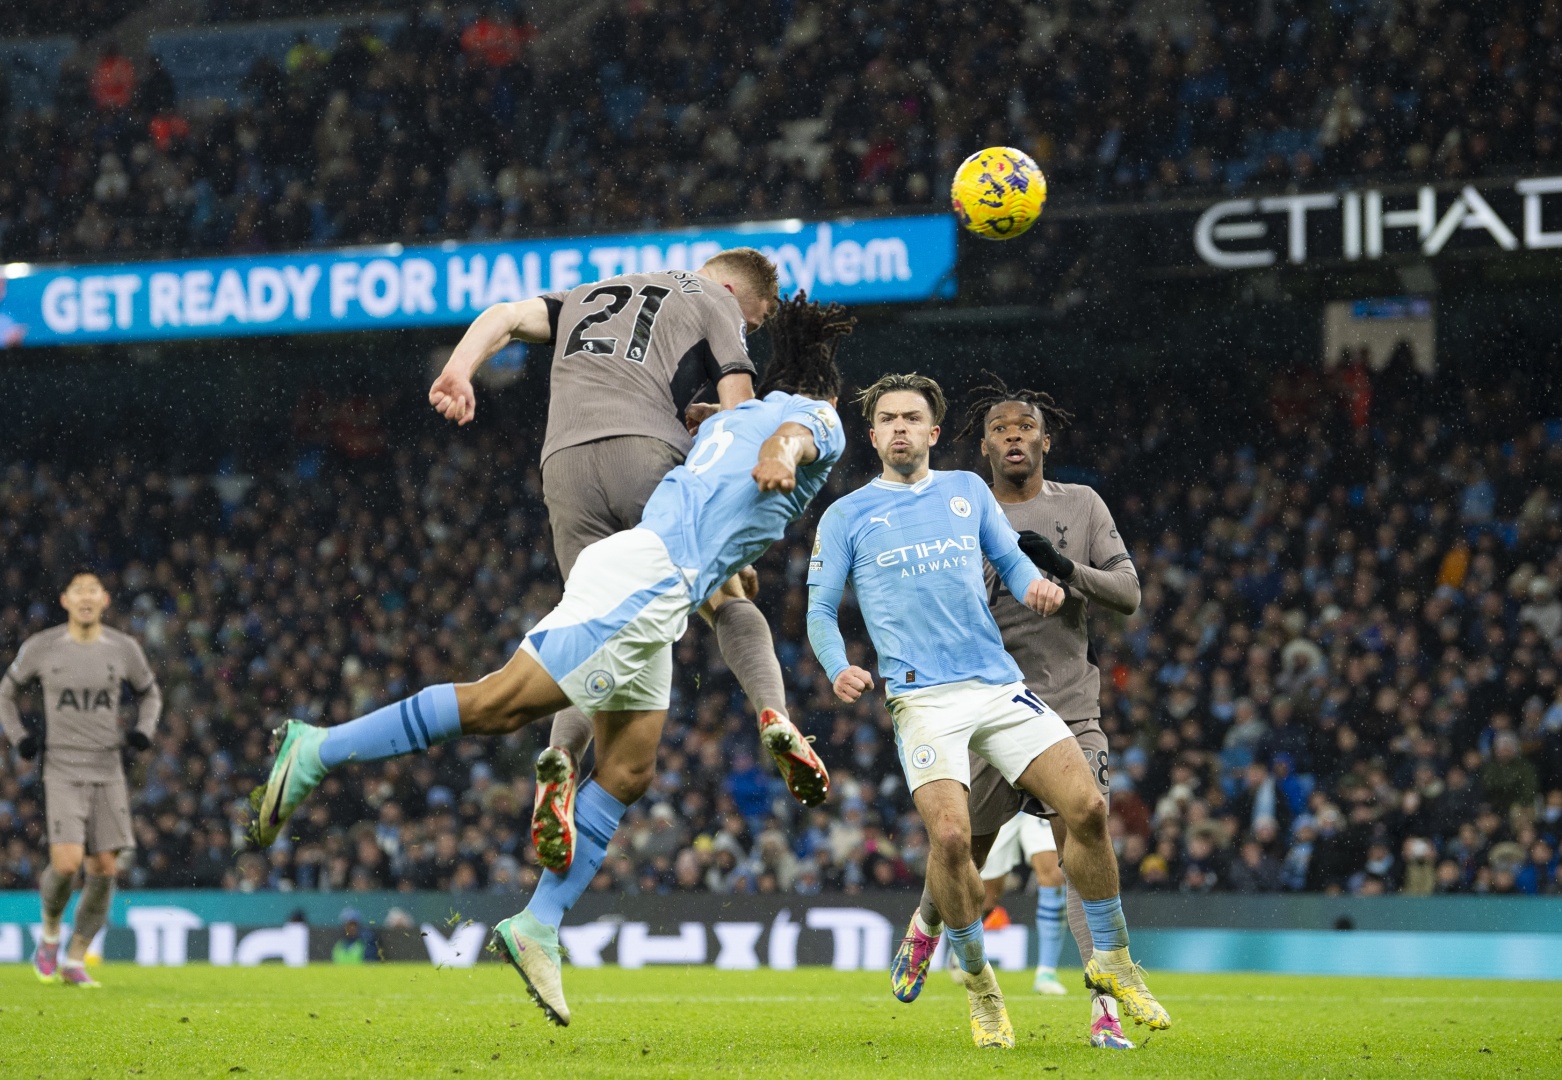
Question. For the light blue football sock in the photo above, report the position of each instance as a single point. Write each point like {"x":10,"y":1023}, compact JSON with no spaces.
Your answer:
{"x":969,"y":947}
{"x":1049,"y":926}
{"x":430,"y":716}
{"x":597,"y":815}
{"x":1108,"y":928}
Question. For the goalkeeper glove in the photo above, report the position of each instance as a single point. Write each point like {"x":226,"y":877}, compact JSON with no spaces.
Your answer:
{"x":27,"y":747}
{"x":138,"y":741}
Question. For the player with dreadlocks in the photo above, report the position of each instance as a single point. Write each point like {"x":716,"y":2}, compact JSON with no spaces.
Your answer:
{"x":607,"y":647}
{"x":1068,"y":533}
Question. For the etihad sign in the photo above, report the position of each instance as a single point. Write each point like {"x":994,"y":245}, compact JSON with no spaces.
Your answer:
{"x":1242,"y":234}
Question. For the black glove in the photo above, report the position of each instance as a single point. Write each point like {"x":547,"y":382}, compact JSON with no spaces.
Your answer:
{"x":1039,"y":550}
{"x":138,"y":741}
{"x":28,"y":747}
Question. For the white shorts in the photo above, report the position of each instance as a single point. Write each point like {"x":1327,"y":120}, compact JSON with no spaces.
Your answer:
{"x":937,"y":728}
{"x":1022,"y":837}
{"x":609,"y":642}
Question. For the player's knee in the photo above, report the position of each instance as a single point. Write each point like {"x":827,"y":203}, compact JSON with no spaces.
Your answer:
{"x":65,"y":862}
{"x":1087,"y":822}
{"x":951,"y":842}
{"x":628,"y":781}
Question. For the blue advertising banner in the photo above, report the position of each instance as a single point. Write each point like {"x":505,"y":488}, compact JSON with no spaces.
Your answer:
{"x":885,"y":260}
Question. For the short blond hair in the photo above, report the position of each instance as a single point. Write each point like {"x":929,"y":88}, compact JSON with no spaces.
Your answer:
{"x":751,"y":266}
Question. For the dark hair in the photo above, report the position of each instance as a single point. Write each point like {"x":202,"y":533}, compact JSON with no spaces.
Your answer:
{"x":995,"y":392}
{"x":70,"y":576}
{"x":803,"y":338}
{"x":916,"y":384}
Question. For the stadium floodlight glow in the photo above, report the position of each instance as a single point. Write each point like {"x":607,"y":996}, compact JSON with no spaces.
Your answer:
{"x":18,"y":269}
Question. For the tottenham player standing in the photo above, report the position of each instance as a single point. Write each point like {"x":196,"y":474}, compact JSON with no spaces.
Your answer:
{"x":630,"y":355}
{"x":1069,"y":532}
{"x":82,"y":668}
{"x":912,"y":543}
{"x":607,"y":647}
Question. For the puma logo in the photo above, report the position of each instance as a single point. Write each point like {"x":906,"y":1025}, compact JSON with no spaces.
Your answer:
{"x":884,"y":519}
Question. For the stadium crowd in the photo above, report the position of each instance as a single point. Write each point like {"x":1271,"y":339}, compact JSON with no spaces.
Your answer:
{"x":1343,"y":675}
{"x":670,"y":113}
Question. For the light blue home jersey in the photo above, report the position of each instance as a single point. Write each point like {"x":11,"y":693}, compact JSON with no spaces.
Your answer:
{"x":913,"y":553}
{"x":710,"y":513}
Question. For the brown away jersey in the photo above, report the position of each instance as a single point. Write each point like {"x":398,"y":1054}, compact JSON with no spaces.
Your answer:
{"x":1054,"y":652}
{"x":631,"y":352}
{"x":81,"y":683}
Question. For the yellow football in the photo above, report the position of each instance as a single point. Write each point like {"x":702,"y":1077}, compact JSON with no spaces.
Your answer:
{"x":998,"y":193}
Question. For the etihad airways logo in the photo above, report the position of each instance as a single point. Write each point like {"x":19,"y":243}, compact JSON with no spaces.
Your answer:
{"x":931,"y":555}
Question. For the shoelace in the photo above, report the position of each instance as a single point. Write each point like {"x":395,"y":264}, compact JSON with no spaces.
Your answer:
{"x":988,"y":1009}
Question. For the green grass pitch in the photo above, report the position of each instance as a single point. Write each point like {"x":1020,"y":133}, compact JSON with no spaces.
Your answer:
{"x":400,"y":1020}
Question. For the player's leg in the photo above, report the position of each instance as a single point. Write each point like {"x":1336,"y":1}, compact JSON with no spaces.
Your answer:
{"x":1038,"y":844}
{"x":520,"y":692}
{"x":626,"y":764}
{"x":992,"y":801}
{"x":1106,"y":1029}
{"x":957,"y":890}
{"x":1060,"y":777}
{"x":592,"y":491}
{"x":743,"y":635}
{"x":628,"y":676}
{"x":66,"y":810}
{"x":578,"y":516}
{"x":108,"y":833}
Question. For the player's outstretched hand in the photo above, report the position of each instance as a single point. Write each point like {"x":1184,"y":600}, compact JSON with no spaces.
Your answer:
{"x":453,"y":397}
{"x":697,"y":413}
{"x":852,"y":683}
{"x":1048,"y":559}
{"x":772,"y":475}
{"x":1044,"y":597}
{"x":28,"y":747}
{"x":138,"y":742}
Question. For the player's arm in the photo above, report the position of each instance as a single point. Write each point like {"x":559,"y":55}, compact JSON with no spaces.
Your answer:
{"x":18,"y":675}
{"x":1115,"y":585}
{"x":732,"y":390}
{"x":1001,"y":544}
{"x":827,"y":573}
{"x":534,"y":321}
{"x":780,"y":455}
{"x":149,"y":699}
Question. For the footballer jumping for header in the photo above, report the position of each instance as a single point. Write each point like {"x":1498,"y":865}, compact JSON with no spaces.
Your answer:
{"x":630,"y":355}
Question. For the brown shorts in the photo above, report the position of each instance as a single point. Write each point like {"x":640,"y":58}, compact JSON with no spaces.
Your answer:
{"x":994,"y":801}
{"x":596,"y":489}
{"x":97,"y":815}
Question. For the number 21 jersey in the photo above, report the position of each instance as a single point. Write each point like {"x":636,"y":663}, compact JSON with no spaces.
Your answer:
{"x":630,"y":352}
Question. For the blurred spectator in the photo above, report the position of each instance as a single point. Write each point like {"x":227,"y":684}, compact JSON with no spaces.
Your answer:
{"x":711,"y":109}
{"x":357,"y":945}
{"x":1416,"y":744}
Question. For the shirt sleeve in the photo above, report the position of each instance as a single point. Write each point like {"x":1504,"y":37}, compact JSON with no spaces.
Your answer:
{"x":828,"y":570}
{"x":1001,"y":545}
{"x":139,"y":674}
{"x":825,"y":424}
{"x":21,"y":672}
{"x":555,"y":302}
{"x":1110,"y":578}
{"x":726,"y":335}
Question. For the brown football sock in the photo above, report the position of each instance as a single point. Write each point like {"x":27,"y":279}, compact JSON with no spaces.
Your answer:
{"x":743,"y":636}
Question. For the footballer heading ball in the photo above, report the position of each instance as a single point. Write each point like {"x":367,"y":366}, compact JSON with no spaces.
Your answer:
{"x":998,"y":192}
